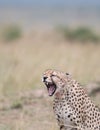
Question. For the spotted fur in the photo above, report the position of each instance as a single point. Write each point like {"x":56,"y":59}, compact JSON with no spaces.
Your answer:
{"x":73,"y":109}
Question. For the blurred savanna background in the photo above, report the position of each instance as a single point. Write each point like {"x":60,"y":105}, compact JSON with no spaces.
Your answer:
{"x":36,"y":35}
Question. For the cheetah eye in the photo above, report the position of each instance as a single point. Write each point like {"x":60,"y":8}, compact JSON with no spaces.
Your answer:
{"x":52,"y":75}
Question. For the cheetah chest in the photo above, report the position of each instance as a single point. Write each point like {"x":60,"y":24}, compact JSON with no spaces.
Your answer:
{"x":64,"y":113}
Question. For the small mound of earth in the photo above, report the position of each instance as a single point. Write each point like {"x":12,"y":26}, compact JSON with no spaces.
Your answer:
{"x":93,"y":88}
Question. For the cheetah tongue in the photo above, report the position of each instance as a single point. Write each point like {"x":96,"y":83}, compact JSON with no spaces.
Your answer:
{"x":51,"y":90}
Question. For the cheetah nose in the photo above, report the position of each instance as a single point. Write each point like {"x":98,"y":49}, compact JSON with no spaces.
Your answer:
{"x":44,"y":78}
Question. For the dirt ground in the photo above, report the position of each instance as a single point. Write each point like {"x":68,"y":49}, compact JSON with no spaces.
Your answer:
{"x":31,"y":111}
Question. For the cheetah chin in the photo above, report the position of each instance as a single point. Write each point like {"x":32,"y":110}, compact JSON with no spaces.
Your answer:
{"x":51,"y":87}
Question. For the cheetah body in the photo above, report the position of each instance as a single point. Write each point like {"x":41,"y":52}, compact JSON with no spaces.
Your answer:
{"x":73,"y":109}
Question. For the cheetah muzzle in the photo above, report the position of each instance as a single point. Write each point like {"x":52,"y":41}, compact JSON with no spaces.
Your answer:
{"x":51,"y":86}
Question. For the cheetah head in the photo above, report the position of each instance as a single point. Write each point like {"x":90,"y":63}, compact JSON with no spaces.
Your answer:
{"x":54,"y":81}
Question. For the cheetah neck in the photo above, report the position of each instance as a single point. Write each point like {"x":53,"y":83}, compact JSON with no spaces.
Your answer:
{"x":67,"y":90}
{"x":61,"y":94}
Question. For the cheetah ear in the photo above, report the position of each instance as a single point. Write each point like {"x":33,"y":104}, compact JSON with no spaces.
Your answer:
{"x":67,"y":73}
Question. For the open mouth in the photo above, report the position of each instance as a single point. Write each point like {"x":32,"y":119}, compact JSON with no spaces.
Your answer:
{"x":51,"y":87}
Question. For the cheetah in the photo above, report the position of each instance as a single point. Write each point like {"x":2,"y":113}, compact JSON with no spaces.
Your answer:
{"x":72,"y":107}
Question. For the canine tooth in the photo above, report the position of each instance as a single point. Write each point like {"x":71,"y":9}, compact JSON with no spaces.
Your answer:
{"x":42,"y":80}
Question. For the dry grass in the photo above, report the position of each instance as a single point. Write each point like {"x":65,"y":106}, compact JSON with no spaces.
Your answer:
{"x":35,"y":114}
{"x":21,"y":66}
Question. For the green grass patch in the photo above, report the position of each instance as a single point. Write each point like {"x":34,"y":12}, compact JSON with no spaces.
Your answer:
{"x":17,"y":105}
{"x":11,"y":33}
{"x":80,"y":34}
